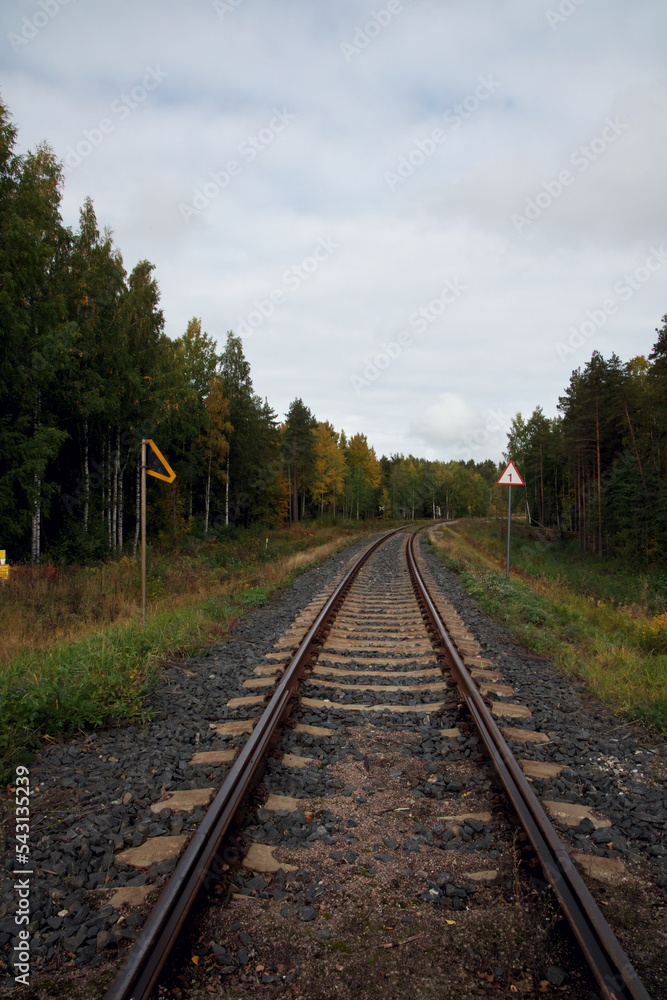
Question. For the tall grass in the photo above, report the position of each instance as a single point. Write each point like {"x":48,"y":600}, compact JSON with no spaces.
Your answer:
{"x":610,"y":633}
{"x":76,"y":653}
{"x":542,"y":555}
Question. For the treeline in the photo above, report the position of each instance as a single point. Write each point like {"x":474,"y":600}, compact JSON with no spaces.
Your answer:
{"x":88,"y":371}
{"x":600,"y":468}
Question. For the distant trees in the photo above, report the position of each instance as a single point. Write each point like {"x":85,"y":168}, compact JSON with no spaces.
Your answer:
{"x":215,"y":442}
{"x":37,"y":335}
{"x":329,"y":467}
{"x":88,"y":371}
{"x":600,"y":468}
{"x":298,"y":449}
{"x":254,"y":486}
{"x":363,"y":477}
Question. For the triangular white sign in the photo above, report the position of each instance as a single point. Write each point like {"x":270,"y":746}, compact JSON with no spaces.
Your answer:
{"x":510,"y":477}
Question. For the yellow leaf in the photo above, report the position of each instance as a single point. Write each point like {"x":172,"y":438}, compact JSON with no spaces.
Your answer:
{"x":195,"y":959}
{"x":451,"y":922}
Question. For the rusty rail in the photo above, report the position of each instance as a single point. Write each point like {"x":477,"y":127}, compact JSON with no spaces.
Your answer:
{"x":139,"y":975}
{"x":609,"y":963}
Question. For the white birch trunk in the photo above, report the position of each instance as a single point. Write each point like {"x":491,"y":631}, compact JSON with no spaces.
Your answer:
{"x":36,"y":523}
{"x":86,"y":477}
{"x":227,"y":493}
{"x":114,"y":493}
{"x":120,"y":509}
{"x":208,"y":497}
{"x":35,"y":544}
{"x":108,"y":474}
{"x":137,"y":528}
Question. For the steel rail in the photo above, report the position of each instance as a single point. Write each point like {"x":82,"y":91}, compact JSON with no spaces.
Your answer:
{"x":608,"y":962}
{"x":138,"y":976}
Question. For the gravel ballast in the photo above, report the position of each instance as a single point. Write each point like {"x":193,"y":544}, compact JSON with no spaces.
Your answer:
{"x":91,"y":796}
{"x":95,"y":792}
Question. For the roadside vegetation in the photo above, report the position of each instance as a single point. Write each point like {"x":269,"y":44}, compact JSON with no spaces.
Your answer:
{"x":598,"y":618}
{"x":76,"y":653}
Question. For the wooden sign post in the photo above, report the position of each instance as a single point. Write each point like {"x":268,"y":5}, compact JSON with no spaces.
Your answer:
{"x":155,"y":464}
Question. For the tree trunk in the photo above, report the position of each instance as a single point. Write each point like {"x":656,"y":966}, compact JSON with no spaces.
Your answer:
{"x":597,"y":436}
{"x":36,"y":526}
{"x":541,"y":486}
{"x":634,"y":441}
{"x":114,"y":492}
{"x":86,"y":477}
{"x":556,"y":497}
{"x":36,"y":523}
{"x":502,"y":519}
{"x":577,"y":493}
{"x":120,"y":509}
{"x":208,"y":497}
{"x":227,"y":493}
{"x":137,"y":528}
{"x":295,"y":498}
{"x":584,"y":497}
{"x":108,"y":473}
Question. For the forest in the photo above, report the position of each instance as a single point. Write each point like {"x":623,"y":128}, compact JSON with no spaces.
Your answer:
{"x":88,"y":371}
{"x":599,"y":469}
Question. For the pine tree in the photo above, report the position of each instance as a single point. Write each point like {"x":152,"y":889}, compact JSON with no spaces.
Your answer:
{"x":36,"y":335}
{"x":299,"y":453}
{"x":364,"y":475}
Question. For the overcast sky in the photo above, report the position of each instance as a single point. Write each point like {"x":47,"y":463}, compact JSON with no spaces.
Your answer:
{"x":420,"y":215}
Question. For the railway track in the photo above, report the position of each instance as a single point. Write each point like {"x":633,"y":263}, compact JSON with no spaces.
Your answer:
{"x":374,"y":674}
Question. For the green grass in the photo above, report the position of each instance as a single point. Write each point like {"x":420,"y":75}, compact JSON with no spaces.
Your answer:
{"x":104,"y":668}
{"x":606,"y":579}
{"x":599,"y":624}
{"x":47,"y":694}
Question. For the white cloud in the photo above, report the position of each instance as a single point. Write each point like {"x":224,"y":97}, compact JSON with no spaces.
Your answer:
{"x":491,"y":350}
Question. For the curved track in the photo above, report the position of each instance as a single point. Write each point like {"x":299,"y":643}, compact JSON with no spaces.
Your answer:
{"x":346,"y":625}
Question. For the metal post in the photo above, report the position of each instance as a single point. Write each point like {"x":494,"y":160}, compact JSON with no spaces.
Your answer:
{"x":509,"y":522}
{"x":143,"y":528}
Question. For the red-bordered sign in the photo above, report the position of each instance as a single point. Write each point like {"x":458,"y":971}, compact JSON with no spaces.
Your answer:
{"x":510,"y":477}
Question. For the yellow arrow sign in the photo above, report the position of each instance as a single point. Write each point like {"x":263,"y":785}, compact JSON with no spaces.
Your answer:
{"x":157,"y":465}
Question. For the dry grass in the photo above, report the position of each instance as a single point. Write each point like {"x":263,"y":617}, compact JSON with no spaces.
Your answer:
{"x":618,"y":650}
{"x":301,"y":559}
{"x":76,"y":653}
{"x":41,"y":607}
